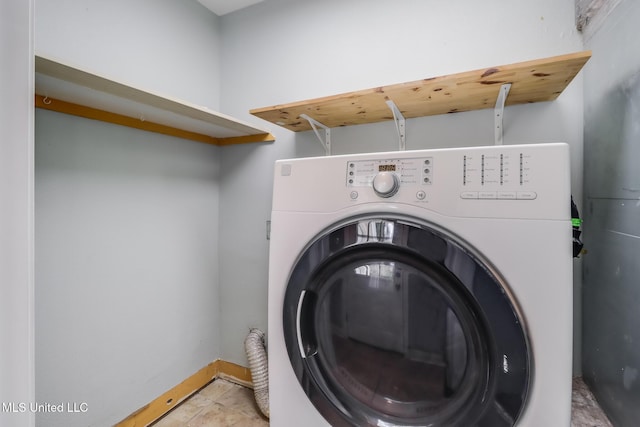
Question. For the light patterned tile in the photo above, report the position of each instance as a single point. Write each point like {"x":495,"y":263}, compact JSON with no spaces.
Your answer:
{"x":221,"y":403}
{"x":179,"y":416}
{"x":252,"y":422}
{"x":241,"y":399}
{"x":585,"y":411}
{"x":217,"y":388}
{"x":217,"y":415}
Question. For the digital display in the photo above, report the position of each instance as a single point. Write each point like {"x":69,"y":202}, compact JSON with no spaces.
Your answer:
{"x":386,"y":168}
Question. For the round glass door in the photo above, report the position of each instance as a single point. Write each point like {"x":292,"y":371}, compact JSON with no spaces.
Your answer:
{"x":394,"y":323}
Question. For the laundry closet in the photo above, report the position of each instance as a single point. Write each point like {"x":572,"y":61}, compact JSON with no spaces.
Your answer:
{"x":151,"y":249}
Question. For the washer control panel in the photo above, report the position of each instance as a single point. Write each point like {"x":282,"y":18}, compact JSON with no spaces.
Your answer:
{"x":386,"y":176}
{"x":526,"y":181}
{"x":487,"y":174}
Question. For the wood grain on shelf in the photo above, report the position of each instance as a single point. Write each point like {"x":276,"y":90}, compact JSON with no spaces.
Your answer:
{"x":532,"y":81}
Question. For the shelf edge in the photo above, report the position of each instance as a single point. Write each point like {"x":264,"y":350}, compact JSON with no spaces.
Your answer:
{"x":121,"y":120}
{"x":75,"y":75}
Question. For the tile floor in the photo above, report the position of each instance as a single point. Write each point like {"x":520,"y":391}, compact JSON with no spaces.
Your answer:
{"x":223,"y":403}
{"x":585,"y":411}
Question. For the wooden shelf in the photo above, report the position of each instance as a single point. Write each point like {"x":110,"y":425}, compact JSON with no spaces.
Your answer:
{"x":531,"y":81}
{"x":71,"y":90}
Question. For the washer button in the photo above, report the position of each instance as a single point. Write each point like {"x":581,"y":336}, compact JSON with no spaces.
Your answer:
{"x":526,"y":195}
{"x":386,"y":184}
{"x":507,"y":195}
{"x":487,"y":194}
{"x":421,"y":195}
{"x":353,"y":195}
{"x":469,"y":195}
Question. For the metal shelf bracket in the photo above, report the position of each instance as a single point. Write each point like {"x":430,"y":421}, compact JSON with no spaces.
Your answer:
{"x":326,"y":142}
{"x":498,"y":112}
{"x":400,"y":124}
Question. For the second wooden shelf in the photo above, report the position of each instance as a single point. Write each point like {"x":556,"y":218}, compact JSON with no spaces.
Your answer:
{"x":531,"y":81}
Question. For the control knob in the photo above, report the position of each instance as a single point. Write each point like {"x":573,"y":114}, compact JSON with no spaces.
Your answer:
{"x":386,"y":184}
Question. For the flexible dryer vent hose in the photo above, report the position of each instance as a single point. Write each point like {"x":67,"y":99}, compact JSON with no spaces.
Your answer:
{"x":255,"y":348}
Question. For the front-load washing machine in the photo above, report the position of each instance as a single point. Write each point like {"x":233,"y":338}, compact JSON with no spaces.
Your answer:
{"x":422,"y":288}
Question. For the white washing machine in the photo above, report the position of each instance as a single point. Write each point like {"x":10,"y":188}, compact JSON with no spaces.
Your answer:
{"x":422,"y":288}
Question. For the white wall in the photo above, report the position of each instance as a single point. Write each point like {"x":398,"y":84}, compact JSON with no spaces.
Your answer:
{"x":281,"y":51}
{"x":16,"y":211}
{"x":126,"y":221}
{"x":126,"y":266}
{"x":165,"y":46}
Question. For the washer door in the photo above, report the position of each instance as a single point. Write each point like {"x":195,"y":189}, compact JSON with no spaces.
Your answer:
{"x":391,"y":322}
